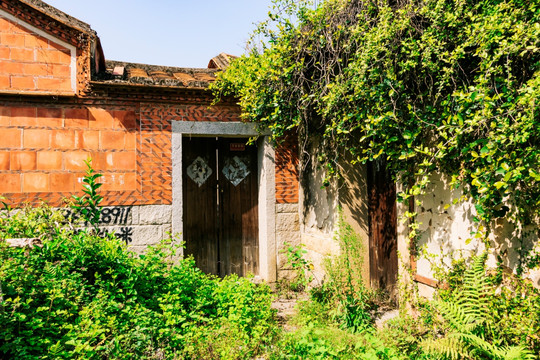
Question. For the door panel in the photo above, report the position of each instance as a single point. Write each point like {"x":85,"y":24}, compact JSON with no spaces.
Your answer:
{"x":221,"y":232}
{"x":238,"y":183}
{"x":200,"y":210}
{"x":382,"y":227}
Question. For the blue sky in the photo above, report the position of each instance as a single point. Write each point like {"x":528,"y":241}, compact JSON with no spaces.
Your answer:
{"x":184,"y":33}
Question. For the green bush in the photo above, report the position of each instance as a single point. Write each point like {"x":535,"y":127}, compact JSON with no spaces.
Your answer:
{"x":27,"y":222}
{"x":327,"y":342}
{"x":81,"y":296}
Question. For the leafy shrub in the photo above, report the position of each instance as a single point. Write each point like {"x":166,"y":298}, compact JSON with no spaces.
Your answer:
{"x":515,"y":307}
{"x":301,"y":267}
{"x":87,"y":205}
{"x":406,"y":333}
{"x":485,"y":317}
{"x":244,"y":320}
{"x":80,"y":296}
{"x":326,"y":342}
{"x":28,"y":222}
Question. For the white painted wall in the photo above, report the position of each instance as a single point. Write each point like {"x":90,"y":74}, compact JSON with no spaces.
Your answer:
{"x":447,"y":233}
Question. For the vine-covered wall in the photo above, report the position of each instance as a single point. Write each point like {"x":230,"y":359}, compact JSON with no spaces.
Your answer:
{"x":430,"y":87}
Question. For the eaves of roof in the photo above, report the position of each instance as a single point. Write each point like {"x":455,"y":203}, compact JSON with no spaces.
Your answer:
{"x":59,"y":16}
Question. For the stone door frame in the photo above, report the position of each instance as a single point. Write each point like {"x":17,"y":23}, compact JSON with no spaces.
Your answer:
{"x":266,"y":176}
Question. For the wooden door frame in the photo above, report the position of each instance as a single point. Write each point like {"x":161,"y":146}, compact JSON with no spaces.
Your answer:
{"x":266,"y":178}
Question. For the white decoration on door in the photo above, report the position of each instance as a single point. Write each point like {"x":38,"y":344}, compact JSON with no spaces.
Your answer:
{"x":235,"y":170}
{"x":199,"y":171}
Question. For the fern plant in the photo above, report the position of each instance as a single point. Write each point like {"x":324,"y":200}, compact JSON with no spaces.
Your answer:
{"x":471,"y":330}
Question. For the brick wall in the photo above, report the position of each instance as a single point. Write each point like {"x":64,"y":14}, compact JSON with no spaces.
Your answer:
{"x":287,"y":170}
{"x":42,"y":150}
{"x":31,"y":63}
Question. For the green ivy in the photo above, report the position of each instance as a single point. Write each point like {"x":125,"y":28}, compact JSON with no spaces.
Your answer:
{"x":432,"y":86}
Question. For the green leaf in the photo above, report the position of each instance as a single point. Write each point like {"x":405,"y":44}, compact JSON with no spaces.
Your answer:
{"x":499,"y":184}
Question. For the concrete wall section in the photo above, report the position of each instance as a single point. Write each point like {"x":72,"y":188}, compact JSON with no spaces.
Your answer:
{"x":447,"y":231}
{"x":287,"y":234}
{"x":353,"y":200}
{"x":267,"y":216}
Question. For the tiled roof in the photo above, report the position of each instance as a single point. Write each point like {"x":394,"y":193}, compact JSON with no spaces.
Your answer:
{"x":221,"y":61}
{"x":119,"y":72}
{"x":60,"y":16}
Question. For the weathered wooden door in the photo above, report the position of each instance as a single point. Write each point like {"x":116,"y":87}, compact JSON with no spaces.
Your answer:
{"x":382,"y":228}
{"x":220,"y":209}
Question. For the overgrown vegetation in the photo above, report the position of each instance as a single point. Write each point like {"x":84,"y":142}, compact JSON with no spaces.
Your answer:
{"x":433,"y":86}
{"x":336,"y":322}
{"x":80,"y":296}
{"x":470,"y":329}
{"x":480,"y":315}
{"x":77,"y":295}
{"x":436,"y":86}
{"x":301,"y":268}
{"x":425,"y":88}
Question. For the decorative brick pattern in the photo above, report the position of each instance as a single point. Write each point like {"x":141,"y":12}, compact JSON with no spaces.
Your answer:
{"x":155,"y":157}
{"x":287,"y":170}
{"x":31,"y":63}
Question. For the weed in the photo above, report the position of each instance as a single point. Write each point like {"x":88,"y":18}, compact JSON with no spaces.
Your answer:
{"x":87,"y":205}
{"x":302,"y":267}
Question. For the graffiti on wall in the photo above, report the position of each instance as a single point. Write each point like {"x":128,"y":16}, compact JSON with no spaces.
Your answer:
{"x":110,"y":217}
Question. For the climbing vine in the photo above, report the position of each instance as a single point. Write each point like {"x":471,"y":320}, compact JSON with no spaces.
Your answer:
{"x":432,"y":86}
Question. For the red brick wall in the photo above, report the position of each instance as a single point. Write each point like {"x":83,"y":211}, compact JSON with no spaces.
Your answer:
{"x":44,"y":141}
{"x":31,"y":63}
{"x":287,"y":170}
{"x":43,"y":148}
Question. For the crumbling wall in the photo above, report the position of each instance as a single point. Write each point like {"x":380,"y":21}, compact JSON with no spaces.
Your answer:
{"x":318,"y":214}
{"x":328,"y":205}
{"x":448,"y":232}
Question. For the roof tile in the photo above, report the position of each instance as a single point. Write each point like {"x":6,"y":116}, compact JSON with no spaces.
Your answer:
{"x":154,"y":75}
